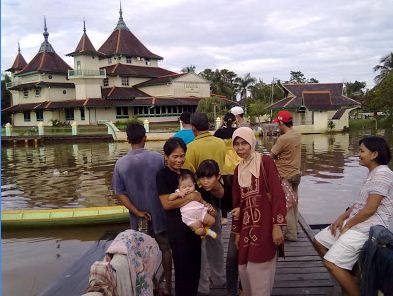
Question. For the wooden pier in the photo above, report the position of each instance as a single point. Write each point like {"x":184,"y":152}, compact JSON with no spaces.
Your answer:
{"x":301,"y":272}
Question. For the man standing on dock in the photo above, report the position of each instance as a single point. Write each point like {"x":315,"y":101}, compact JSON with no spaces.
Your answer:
{"x":134,"y":184}
{"x":287,"y":154}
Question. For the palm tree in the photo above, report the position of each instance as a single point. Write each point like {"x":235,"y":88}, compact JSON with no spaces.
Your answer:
{"x":385,"y":68}
{"x":189,"y":69}
{"x":244,"y":85}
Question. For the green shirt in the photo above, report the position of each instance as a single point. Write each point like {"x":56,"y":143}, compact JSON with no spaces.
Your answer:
{"x":205,"y":146}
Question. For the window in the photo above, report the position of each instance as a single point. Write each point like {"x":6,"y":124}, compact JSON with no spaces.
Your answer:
{"x":106,"y":81}
{"x":64,"y":91}
{"x":26,"y":116}
{"x":121,"y":112}
{"x":78,"y":66}
{"x":25,"y":93}
{"x":50,"y":76}
{"x":69,"y":113}
{"x":82,"y":110}
{"x":39,"y":114}
{"x":128,"y":60}
{"x":124,"y":81}
{"x":147,"y":61}
{"x":109,"y":61}
{"x":37,"y":92}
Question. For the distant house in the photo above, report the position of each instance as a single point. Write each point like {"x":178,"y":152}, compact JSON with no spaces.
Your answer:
{"x":119,"y":80}
{"x":317,"y":107}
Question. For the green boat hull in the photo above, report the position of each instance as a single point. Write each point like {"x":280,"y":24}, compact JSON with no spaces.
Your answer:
{"x":63,"y":217}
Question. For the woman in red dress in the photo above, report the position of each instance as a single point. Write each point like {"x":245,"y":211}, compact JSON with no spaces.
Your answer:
{"x":259,"y":218}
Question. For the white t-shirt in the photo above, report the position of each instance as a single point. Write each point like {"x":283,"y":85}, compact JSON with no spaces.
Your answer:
{"x":379,"y":181}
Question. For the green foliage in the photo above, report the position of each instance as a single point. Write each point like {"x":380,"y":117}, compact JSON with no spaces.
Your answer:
{"x":381,"y":96}
{"x":222,"y":82}
{"x":244,"y":84}
{"x":385,"y":67}
{"x":212,"y":106}
{"x":255,"y":109}
{"x":355,"y":90}
{"x":263,"y":92}
{"x":189,"y":69}
{"x":5,"y":100}
{"x":122,"y":124}
{"x":57,"y":123}
{"x":297,"y":77}
{"x":367,"y":123}
{"x":313,"y":80}
{"x":331,"y":125}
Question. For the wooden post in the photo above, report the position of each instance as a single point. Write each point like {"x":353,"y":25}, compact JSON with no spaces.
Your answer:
{"x":40,"y":129}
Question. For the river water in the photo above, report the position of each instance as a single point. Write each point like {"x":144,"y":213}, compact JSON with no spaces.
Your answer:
{"x":79,"y":175}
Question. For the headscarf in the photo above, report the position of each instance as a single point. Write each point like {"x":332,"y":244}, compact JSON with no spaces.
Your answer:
{"x":252,"y":164}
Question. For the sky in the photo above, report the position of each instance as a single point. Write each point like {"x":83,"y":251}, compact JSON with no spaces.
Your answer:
{"x":332,"y":41}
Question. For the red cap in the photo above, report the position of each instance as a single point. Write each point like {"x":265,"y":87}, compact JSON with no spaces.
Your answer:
{"x":283,"y":116}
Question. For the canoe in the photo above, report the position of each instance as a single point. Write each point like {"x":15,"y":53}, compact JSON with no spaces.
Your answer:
{"x":63,"y":217}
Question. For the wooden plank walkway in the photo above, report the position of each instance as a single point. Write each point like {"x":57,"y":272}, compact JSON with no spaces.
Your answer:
{"x":300,"y":273}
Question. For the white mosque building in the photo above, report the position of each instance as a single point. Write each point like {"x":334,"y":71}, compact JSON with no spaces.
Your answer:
{"x":118,"y":81}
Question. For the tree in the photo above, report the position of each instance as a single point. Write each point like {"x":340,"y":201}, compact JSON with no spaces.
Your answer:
{"x":263,"y":92}
{"x":244,"y":85}
{"x":222,"y":82}
{"x":5,"y":100}
{"x":355,"y":90}
{"x":297,"y":77}
{"x":313,"y":80}
{"x":189,"y":69}
{"x":385,"y":68}
{"x":381,"y":96}
{"x":212,"y":106}
{"x":256,"y":108}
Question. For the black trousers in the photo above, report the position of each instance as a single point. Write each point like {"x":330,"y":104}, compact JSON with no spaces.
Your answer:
{"x":186,"y":253}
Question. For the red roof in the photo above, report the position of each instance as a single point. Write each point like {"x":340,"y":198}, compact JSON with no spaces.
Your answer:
{"x":122,"y":93}
{"x":136,"y":71}
{"x":314,"y":96}
{"x":123,"y":42}
{"x":43,"y":84}
{"x":18,"y":64}
{"x":46,"y":62}
{"x":84,"y":47}
{"x":160,"y":80}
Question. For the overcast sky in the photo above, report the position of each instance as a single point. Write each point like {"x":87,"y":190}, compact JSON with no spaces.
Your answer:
{"x":332,"y":41}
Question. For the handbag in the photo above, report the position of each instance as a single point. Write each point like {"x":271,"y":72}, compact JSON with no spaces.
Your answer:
{"x":291,"y":197}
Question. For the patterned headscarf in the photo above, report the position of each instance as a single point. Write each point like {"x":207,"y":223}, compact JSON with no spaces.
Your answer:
{"x":252,"y":164}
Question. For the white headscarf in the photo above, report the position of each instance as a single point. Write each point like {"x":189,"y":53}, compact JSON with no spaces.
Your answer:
{"x":252,"y":164}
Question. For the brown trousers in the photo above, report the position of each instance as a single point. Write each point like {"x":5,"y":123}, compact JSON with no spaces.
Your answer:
{"x":292,"y":214}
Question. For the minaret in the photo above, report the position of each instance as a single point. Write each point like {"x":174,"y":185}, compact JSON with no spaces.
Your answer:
{"x":86,"y":75}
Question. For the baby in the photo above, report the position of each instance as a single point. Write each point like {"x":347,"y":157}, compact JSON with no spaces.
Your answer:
{"x":194,"y":214}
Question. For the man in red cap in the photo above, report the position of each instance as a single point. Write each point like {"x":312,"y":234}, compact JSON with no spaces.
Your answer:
{"x":287,"y":153}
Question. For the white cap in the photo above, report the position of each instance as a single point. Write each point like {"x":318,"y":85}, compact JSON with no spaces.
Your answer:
{"x":237,"y":110}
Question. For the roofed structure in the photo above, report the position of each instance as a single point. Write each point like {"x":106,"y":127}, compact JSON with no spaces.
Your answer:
{"x":84,"y":46}
{"x":314,"y":96}
{"x":19,"y":62}
{"x":46,"y":60}
{"x":161,"y":80}
{"x":136,"y":71}
{"x":123,"y":42}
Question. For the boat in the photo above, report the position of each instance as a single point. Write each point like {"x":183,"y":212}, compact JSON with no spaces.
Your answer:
{"x":63,"y":217}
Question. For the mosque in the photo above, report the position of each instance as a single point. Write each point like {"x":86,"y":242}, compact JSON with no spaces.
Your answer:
{"x":118,"y":81}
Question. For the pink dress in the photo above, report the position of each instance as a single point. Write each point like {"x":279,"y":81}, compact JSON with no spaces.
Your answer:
{"x":193,"y":212}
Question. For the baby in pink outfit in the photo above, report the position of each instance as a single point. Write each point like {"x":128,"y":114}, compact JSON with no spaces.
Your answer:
{"x":194,"y":214}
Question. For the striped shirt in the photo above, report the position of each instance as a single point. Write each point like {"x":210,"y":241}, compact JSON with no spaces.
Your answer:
{"x":379,"y":181}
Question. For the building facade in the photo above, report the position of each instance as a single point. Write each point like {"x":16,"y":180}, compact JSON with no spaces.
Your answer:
{"x":120,"y":80}
{"x":317,"y":107}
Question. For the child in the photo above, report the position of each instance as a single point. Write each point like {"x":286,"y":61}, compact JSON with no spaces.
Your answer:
{"x":194,"y":214}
